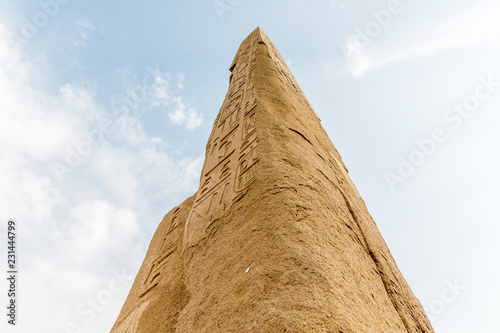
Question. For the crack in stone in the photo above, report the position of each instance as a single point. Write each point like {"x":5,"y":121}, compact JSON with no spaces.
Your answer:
{"x":385,"y":280}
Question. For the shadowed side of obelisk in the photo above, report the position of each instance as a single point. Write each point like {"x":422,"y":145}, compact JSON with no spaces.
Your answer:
{"x":158,"y":293}
{"x":370,"y":292}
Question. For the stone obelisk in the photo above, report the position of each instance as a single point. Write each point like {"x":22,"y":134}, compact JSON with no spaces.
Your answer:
{"x":277,"y":238}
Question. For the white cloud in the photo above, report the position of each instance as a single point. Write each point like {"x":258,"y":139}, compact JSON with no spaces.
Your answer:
{"x":75,"y":228}
{"x":100,"y":227}
{"x":193,"y":120}
{"x":160,"y":92}
{"x":179,"y":114}
{"x":183,"y":114}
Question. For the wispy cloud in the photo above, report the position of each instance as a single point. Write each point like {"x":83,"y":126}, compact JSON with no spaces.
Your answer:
{"x":158,"y":90}
{"x":84,"y":27}
{"x":468,"y":29}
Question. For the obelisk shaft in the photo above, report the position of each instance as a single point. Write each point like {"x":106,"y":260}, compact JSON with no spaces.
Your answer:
{"x":277,"y":238}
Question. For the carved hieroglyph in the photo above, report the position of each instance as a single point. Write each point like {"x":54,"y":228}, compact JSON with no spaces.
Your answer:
{"x":231,"y":155}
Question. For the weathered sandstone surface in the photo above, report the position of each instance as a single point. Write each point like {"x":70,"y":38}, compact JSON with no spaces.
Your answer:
{"x":277,"y":238}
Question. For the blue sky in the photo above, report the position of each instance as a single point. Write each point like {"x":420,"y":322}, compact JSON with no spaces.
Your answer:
{"x":106,"y":107}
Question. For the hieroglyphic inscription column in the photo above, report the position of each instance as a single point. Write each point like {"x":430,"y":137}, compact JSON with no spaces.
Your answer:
{"x":231,"y":157}
{"x":167,"y":248}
